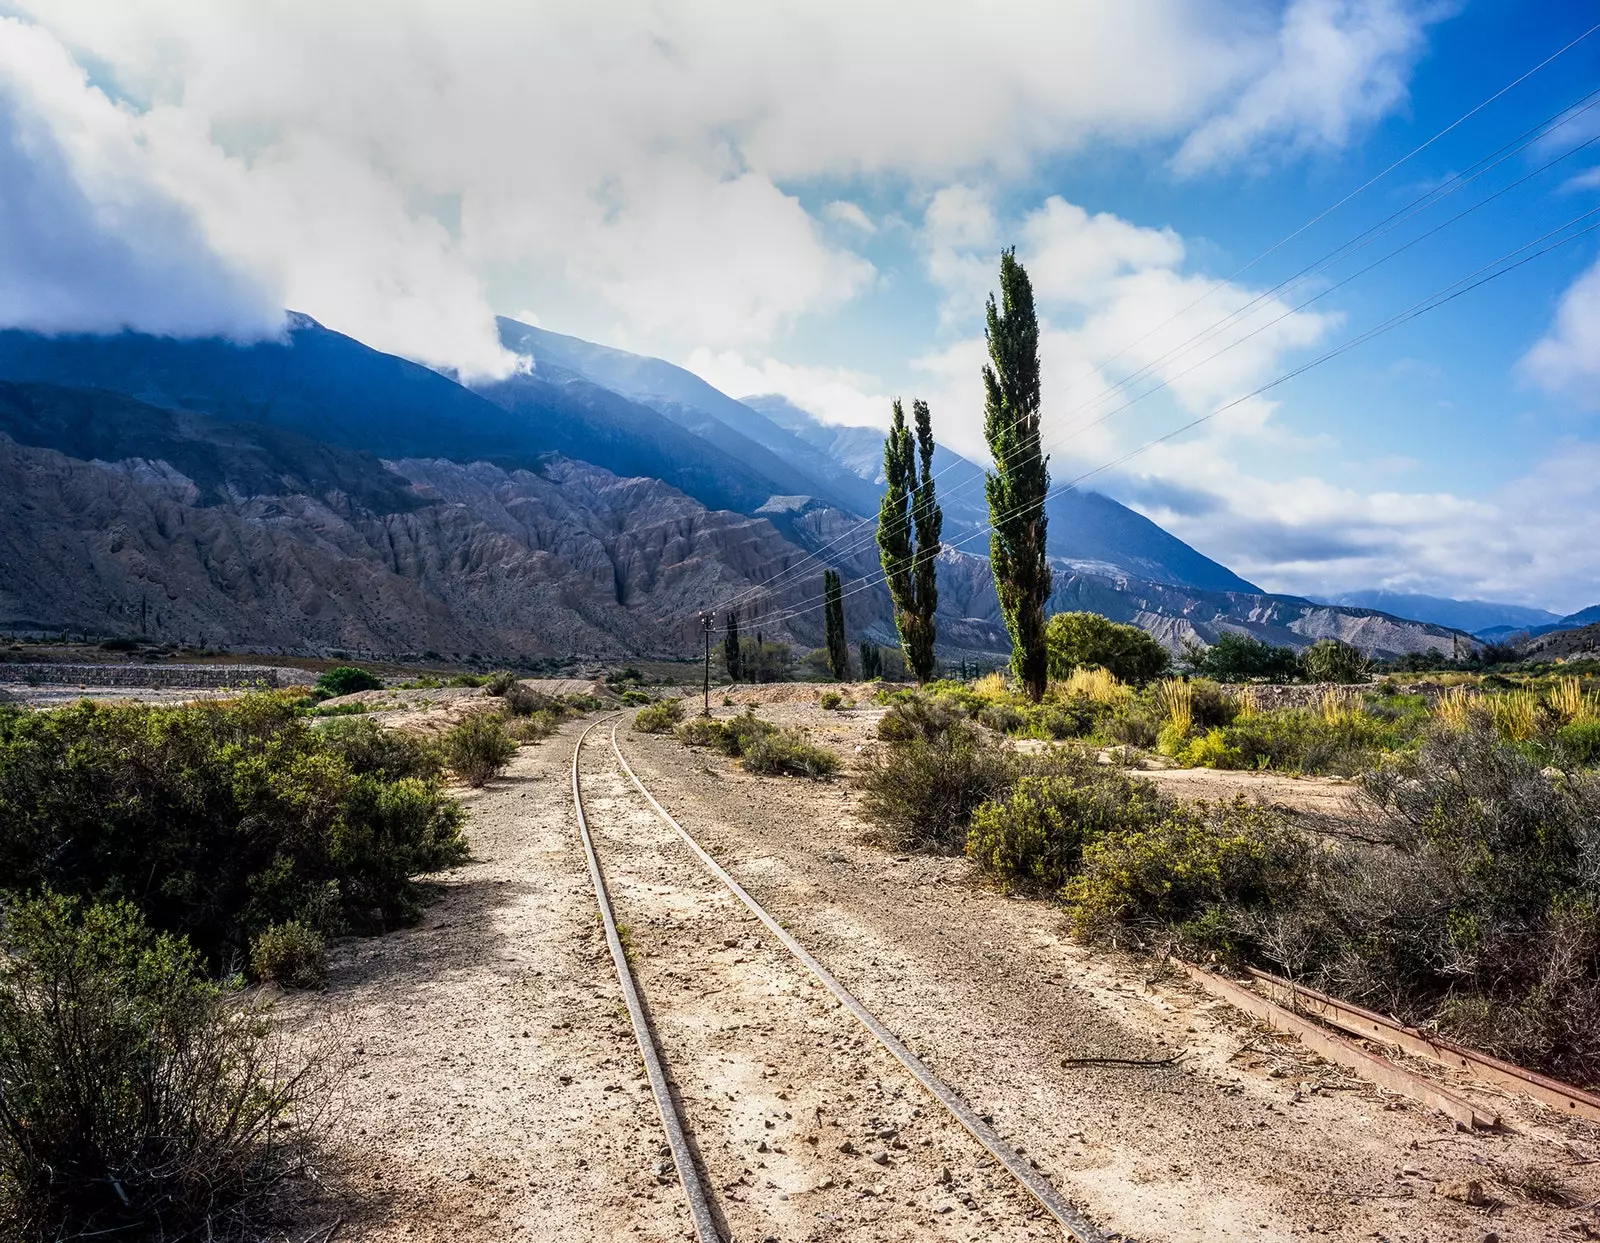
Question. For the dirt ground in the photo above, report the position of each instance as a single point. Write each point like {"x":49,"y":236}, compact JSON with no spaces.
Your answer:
{"x":498,"y":1094}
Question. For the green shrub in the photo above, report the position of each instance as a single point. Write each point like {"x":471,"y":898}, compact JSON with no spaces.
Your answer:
{"x":1034,"y":835}
{"x":478,"y":748}
{"x":370,"y":750}
{"x":1578,"y":744}
{"x":789,"y":751}
{"x":139,"y":1099}
{"x":500,"y":682}
{"x":1088,"y":640}
{"x":1135,"y":725}
{"x":922,"y":792}
{"x":925,"y":716}
{"x":338,"y":710}
{"x":1329,"y":660}
{"x":1188,"y":872}
{"x":347,"y":680}
{"x":221,"y":819}
{"x":290,"y":954}
{"x":734,"y":736}
{"x":635,"y":698}
{"x":1210,"y":750}
{"x":1003,"y":718}
{"x":1304,"y":741}
{"x":705,"y":731}
{"x":1245,"y":658}
{"x":529,"y":729}
{"x":830,"y":700}
{"x":658,"y":718}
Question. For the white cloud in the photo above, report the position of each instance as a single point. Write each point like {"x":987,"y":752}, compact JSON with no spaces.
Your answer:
{"x":833,"y":394}
{"x":636,"y":164}
{"x":843,"y":212}
{"x":1339,"y":65}
{"x":90,"y":241}
{"x":1567,"y":359}
{"x":1528,"y":541}
{"x":1118,"y":319}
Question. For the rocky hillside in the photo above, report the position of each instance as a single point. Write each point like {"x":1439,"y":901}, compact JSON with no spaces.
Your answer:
{"x":312,"y":495}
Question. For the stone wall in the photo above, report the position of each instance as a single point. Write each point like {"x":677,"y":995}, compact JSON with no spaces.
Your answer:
{"x":184,"y":677}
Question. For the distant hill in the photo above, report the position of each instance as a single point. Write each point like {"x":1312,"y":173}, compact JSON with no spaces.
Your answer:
{"x":1085,"y":528}
{"x":1473,"y":616}
{"x":312,"y":494}
{"x":689,"y":401}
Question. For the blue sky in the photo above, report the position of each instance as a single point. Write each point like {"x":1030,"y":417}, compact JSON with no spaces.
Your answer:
{"x":811,"y":200}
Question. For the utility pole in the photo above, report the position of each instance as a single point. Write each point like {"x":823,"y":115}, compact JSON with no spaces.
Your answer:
{"x":705,"y":626}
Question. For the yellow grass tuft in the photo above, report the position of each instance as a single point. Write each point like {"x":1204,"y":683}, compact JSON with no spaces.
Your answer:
{"x":1571,"y":705}
{"x":1339,"y":703}
{"x":991,"y":686}
{"x":1177,"y":704}
{"x":1516,"y":714}
{"x":1456,"y":706}
{"x":1246,"y":699}
{"x":1097,"y":685}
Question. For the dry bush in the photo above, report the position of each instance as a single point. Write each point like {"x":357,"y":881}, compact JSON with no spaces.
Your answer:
{"x":789,"y":752}
{"x":290,"y":954}
{"x":922,"y":792}
{"x":659,"y":717}
{"x":478,"y":748}
{"x":1457,"y":707}
{"x":140,"y":1100}
{"x":1097,"y":685}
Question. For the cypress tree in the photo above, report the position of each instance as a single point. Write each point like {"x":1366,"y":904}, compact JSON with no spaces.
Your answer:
{"x":833,"y":614}
{"x":871,"y":661}
{"x":1020,"y":480}
{"x":731,"y":654}
{"x":910,"y":523}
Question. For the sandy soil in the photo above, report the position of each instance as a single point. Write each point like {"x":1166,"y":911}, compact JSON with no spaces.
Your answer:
{"x":498,"y":1094}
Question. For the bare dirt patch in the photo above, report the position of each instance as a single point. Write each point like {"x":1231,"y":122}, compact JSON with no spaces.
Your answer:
{"x":1248,"y":1136}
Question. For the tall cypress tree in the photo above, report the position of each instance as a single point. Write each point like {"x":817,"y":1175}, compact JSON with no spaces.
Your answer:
{"x":731,"y":655}
{"x":1020,"y":480}
{"x":910,"y":523}
{"x":833,"y":614}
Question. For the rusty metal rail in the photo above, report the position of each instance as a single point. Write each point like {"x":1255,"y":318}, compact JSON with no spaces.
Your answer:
{"x":1033,"y":1181}
{"x":1358,"y":1021}
{"x":694,"y":1189}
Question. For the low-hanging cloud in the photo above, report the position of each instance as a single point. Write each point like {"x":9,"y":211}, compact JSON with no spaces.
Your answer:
{"x":89,"y":240}
{"x":637,"y":171}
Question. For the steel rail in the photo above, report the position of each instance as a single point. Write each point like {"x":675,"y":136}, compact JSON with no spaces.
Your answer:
{"x":1368,"y":1024}
{"x":1074,"y":1223}
{"x":688,"y":1174}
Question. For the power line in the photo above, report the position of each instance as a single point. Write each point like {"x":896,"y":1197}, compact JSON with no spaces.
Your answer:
{"x":1371,"y":234}
{"x":1448,"y":293}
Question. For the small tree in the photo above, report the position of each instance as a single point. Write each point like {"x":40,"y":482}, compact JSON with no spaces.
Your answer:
{"x":1020,"y":481}
{"x":833,"y":610}
{"x":871,"y":661}
{"x":731,"y":654}
{"x":1090,"y":641}
{"x":910,"y":524}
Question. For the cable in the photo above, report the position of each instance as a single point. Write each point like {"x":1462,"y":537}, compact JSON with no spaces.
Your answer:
{"x":1440,"y":297}
{"x":1419,"y":205}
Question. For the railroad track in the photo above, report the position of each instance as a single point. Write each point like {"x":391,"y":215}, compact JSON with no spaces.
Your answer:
{"x":797,"y":1005}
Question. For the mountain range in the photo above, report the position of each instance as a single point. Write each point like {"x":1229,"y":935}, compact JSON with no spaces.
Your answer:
{"x":311,"y":493}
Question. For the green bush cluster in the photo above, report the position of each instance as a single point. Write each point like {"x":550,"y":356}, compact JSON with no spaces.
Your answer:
{"x":291,"y":954}
{"x":138,"y":1098}
{"x":659,"y":717}
{"x":221,"y":819}
{"x":1090,"y":641}
{"x":923,"y":788}
{"x":830,"y":700}
{"x":1033,"y":836}
{"x":762,"y":746}
{"x":347,"y":680}
{"x":478,"y":747}
{"x":789,"y":752}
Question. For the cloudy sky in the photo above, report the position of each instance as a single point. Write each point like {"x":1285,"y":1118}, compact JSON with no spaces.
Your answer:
{"x":811,"y":199}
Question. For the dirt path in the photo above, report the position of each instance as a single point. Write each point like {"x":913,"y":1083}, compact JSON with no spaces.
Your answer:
{"x":498,"y":1094}
{"x":1247,"y":1138}
{"x":805,"y":1127}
